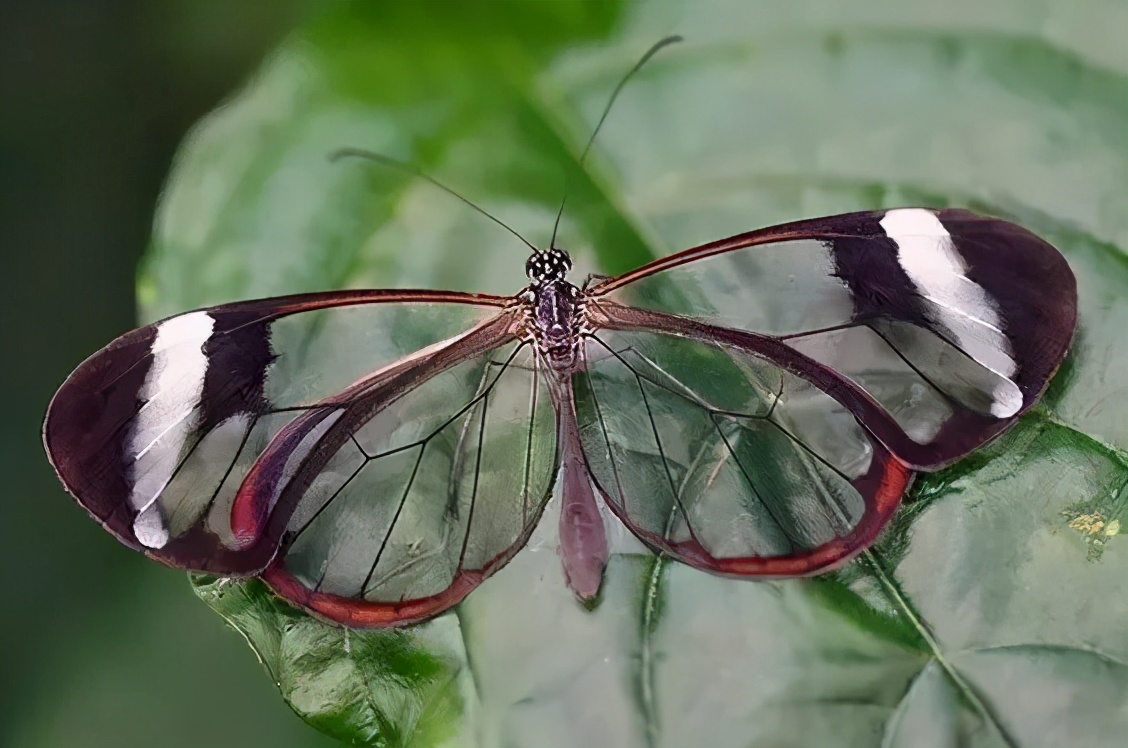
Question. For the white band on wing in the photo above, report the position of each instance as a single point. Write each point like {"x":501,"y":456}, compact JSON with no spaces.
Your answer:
{"x":171,"y":394}
{"x":959,"y":305}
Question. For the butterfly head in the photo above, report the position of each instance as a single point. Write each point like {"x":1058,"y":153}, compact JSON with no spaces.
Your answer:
{"x":549,"y":266}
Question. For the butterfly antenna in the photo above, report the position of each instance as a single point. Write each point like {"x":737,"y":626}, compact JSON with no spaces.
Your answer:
{"x":417,"y":172}
{"x":607,"y":110}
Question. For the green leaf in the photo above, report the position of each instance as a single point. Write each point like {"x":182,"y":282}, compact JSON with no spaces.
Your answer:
{"x":380,"y":688}
{"x":992,"y":611}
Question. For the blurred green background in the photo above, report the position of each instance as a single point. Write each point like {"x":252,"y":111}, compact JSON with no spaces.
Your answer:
{"x":100,"y":648}
{"x":768,"y":113}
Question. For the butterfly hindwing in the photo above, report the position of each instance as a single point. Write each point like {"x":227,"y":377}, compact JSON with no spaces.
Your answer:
{"x":726,"y":461}
{"x":410,"y":507}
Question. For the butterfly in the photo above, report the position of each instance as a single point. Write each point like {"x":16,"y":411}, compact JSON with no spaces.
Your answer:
{"x":754,"y":407}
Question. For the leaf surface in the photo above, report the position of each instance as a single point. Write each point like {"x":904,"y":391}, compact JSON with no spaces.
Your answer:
{"x":992,"y":611}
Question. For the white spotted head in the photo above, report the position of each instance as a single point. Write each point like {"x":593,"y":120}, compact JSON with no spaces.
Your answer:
{"x":549,"y":266}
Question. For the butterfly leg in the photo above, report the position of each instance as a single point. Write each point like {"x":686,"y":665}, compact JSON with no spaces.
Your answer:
{"x":593,"y":278}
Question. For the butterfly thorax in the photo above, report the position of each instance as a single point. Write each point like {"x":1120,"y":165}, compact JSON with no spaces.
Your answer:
{"x":554,"y":307}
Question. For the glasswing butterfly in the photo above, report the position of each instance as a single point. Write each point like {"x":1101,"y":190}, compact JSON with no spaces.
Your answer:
{"x":753,"y":407}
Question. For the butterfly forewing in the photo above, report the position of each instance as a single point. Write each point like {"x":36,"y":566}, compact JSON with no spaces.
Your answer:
{"x":426,"y":498}
{"x":952,"y":322}
{"x":154,"y":434}
{"x":725,"y":460}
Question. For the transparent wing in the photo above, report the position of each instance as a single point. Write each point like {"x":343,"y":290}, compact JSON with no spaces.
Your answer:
{"x":407,"y":501}
{"x":727,"y":461}
{"x":154,"y":434}
{"x":953,"y":323}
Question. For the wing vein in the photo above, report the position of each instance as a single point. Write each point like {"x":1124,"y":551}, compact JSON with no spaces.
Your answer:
{"x":392,"y":525}
{"x":529,"y":449}
{"x":951,"y":400}
{"x":325,"y":567}
{"x":665,"y":462}
{"x":322,"y":508}
{"x":748,"y":478}
{"x":807,"y":449}
{"x":603,"y":428}
{"x":477,"y":477}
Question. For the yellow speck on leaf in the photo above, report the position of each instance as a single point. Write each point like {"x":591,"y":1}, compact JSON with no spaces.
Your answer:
{"x":1088,"y":524}
{"x":1095,"y":530}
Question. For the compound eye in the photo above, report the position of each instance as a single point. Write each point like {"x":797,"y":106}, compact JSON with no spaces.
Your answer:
{"x":534,"y":266}
{"x":558,"y":263}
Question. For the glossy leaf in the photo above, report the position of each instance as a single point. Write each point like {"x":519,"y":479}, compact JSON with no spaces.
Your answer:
{"x":987,"y":615}
{"x":386,"y":688}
